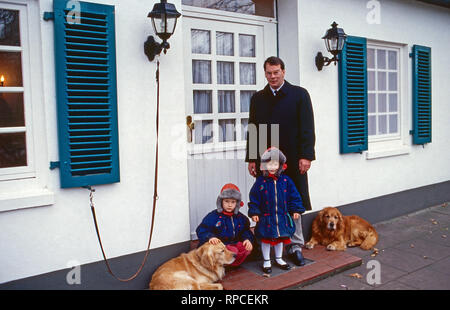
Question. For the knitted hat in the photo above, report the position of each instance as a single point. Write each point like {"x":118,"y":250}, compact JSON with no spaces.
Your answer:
{"x":230,"y":191}
{"x":273,"y":153}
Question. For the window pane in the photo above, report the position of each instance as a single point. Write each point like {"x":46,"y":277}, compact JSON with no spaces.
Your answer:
{"x":381,"y":59}
{"x":370,"y":58}
{"x":392,"y":80}
{"x":225,"y":72}
{"x":224,"y":44}
{"x":13,"y":151}
{"x":201,"y":71}
{"x":203,"y":132}
{"x":372,"y":125}
{"x":226,"y":101}
{"x":381,"y":80}
{"x":392,"y":60}
{"x":11,"y":110}
{"x":247,"y":73}
{"x":201,"y":41}
{"x":246,"y":95}
{"x":244,"y":125}
{"x":252,"y":7}
{"x":371,"y":80}
{"x":381,"y":103}
{"x":392,"y":102}
{"x":11,"y":68}
{"x":382,"y":124}
{"x":393,"y":123}
{"x":202,"y":101}
{"x":371,"y":103}
{"x":227,"y":130}
{"x":9,"y":27}
{"x":246,"y":45}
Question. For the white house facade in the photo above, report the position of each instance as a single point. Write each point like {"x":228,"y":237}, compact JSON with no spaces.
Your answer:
{"x":79,"y":110}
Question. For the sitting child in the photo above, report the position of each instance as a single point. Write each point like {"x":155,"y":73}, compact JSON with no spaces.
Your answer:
{"x":228,"y":225}
{"x":274,"y":201}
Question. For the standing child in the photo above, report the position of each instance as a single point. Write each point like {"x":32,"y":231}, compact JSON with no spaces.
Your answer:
{"x":274,"y":201}
{"x":228,"y":225}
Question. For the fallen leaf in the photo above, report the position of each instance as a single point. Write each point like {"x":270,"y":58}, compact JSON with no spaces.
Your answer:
{"x":412,"y":245}
{"x":433,"y":221}
{"x":375,"y":252}
{"x":344,"y":286}
{"x":266,"y":275}
{"x":425,"y":257}
{"x":444,"y":236}
{"x":355,"y":275}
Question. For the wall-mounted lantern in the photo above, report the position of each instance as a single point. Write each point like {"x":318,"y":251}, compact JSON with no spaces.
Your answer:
{"x":164,"y":19}
{"x":334,"y":41}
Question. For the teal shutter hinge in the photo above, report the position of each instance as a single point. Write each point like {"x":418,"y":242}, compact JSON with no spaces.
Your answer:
{"x":54,"y":165}
{"x":49,"y":16}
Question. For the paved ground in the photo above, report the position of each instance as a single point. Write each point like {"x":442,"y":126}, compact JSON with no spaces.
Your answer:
{"x":413,"y":254}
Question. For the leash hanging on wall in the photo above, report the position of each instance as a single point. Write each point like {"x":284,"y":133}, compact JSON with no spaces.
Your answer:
{"x":155,"y":197}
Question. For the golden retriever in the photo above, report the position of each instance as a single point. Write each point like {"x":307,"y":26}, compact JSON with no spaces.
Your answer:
{"x":335,"y":231}
{"x":196,"y":270}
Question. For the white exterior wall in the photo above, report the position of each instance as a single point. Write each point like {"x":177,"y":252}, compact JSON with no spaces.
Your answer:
{"x":43,"y":239}
{"x":336,"y":179}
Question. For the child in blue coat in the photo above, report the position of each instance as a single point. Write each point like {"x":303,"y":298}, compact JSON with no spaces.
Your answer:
{"x":228,"y":225}
{"x":274,"y":203}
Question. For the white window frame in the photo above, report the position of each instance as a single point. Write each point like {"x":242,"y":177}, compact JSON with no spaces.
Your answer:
{"x":394,"y":144}
{"x":27,"y":186}
{"x":239,"y":18}
{"x":28,"y":170}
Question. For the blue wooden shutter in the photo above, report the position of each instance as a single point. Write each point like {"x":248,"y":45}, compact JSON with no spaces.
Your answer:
{"x":353,"y":96}
{"x":86,"y":94}
{"x":421,"y":74}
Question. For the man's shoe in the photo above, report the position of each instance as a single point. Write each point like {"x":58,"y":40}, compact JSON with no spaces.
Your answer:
{"x":298,"y":258}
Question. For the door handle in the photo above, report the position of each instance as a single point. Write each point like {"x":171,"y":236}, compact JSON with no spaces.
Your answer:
{"x":190,"y":125}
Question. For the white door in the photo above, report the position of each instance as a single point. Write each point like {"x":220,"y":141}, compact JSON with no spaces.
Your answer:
{"x":224,"y":56}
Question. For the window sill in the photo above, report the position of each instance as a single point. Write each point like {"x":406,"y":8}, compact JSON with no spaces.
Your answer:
{"x":373,"y":154}
{"x":22,"y":200}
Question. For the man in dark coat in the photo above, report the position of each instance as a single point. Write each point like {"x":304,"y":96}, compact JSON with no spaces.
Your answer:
{"x":281,"y":115}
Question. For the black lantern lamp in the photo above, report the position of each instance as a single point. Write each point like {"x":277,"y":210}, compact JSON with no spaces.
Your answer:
{"x":164,"y":19}
{"x":334,"y":41}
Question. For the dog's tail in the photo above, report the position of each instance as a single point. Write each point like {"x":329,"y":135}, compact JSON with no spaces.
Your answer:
{"x":370,"y":240}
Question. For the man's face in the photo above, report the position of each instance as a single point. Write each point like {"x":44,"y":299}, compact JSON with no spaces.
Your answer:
{"x":274,"y":75}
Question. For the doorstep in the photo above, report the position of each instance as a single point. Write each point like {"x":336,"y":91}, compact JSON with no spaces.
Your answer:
{"x":325,"y":263}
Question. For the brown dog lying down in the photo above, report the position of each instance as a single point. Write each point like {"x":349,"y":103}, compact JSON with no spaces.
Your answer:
{"x":196,"y":270}
{"x":335,"y":231}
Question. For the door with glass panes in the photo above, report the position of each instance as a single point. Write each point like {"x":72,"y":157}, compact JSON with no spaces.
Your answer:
{"x":224,"y":56}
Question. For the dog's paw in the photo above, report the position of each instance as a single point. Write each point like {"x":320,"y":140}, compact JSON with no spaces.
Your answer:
{"x":309,"y":246}
{"x":331,"y":247}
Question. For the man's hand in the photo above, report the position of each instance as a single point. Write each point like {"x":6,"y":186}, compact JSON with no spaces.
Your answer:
{"x":248,"y":245}
{"x":252,"y":169}
{"x":304,"y":165}
{"x":214,"y":241}
{"x":295,"y":216}
{"x":255,"y":218}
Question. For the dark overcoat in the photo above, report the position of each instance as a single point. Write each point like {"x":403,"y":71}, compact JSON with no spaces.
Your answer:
{"x":292,"y":110}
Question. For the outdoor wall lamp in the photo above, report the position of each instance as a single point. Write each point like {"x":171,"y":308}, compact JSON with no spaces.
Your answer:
{"x":164,"y":19}
{"x":334,"y":41}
